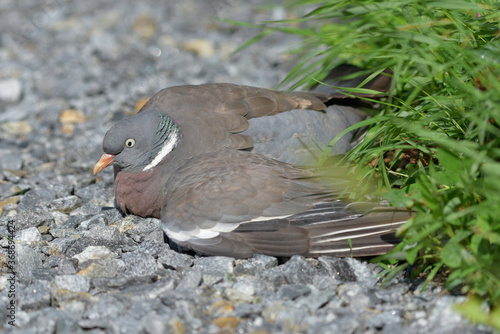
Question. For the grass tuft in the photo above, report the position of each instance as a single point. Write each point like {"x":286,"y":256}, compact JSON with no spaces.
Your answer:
{"x":434,"y":144}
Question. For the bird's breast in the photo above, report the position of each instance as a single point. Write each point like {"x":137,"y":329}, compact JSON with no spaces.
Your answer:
{"x":140,"y":193}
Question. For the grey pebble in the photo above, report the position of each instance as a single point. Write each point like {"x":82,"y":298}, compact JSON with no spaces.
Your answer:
{"x":60,"y":245}
{"x":298,"y":270}
{"x":104,"y":283}
{"x":393,"y":293}
{"x":33,"y":217}
{"x":255,"y":264}
{"x":191,"y":279}
{"x":292,"y":291}
{"x":10,"y":90}
{"x":75,"y":283}
{"x":58,"y":233}
{"x":340,"y":269}
{"x":152,"y":247}
{"x":67,"y":266}
{"x":27,"y":261}
{"x":29,"y":235}
{"x":219,"y":266}
{"x":10,"y":161}
{"x":66,"y":204}
{"x":34,"y":296}
{"x":139,"y":263}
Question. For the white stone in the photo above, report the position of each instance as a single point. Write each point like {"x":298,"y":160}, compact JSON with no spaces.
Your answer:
{"x":94,"y":252}
{"x":3,"y":282}
{"x":75,"y":283}
{"x":10,"y":90}
{"x":28,"y":235}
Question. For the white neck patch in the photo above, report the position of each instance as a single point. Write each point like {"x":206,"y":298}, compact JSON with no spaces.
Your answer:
{"x":166,"y":149}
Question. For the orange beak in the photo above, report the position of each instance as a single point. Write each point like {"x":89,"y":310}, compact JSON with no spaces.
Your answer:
{"x":105,"y":160}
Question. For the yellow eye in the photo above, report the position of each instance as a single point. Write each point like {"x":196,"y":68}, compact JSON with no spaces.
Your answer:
{"x":130,"y":142}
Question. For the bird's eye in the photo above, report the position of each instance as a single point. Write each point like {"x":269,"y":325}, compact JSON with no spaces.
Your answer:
{"x":130,"y":142}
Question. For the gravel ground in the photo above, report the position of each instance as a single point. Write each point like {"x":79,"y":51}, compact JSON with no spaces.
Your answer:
{"x":69,"y":70}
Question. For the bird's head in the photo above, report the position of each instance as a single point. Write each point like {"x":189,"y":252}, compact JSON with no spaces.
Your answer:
{"x":140,"y":142}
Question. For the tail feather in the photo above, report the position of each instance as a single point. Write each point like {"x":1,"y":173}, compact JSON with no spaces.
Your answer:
{"x":365,"y":235}
{"x":325,"y":231}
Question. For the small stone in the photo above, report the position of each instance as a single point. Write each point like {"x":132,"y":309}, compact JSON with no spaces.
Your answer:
{"x":63,"y":232}
{"x":106,"y":234}
{"x":172,"y":259}
{"x":254,"y":265}
{"x":167,"y":40}
{"x":238,"y":296}
{"x":125,"y":324}
{"x":75,"y":283}
{"x":67,"y":266}
{"x":175,"y":326}
{"x":154,"y":324}
{"x":247,"y":285}
{"x":87,"y":209}
{"x":52,"y":320}
{"x":191,"y":279}
{"x":151,"y":247}
{"x":145,"y":226}
{"x":17,"y":128}
{"x":104,"y":45}
{"x":227,"y":323}
{"x":106,"y":307}
{"x":3,"y":260}
{"x":59,"y":218}
{"x":201,"y":47}
{"x":11,"y":177}
{"x":126,"y":225}
{"x":157,"y":236}
{"x":35,"y":296}
{"x":221,"y":266}
{"x":315,"y":299}
{"x":221,"y":308}
{"x":43,"y":229}
{"x":291,"y":319}
{"x":65,"y":204}
{"x":395,"y":293}
{"x":74,"y":221}
{"x":98,"y":220}
{"x":354,"y":296}
{"x":28,"y":235}
{"x":338,"y":268}
{"x":11,"y":161}
{"x":19,"y":189}
{"x":247,"y":310}
{"x":145,"y":26}
{"x":64,"y":298}
{"x":10,"y":90}
{"x":4,"y":243}
{"x":103,"y":268}
{"x":33,"y":218}
{"x":94,"y":252}
{"x":292,"y":291}
{"x":69,"y":117}
{"x":274,"y":277}
{"x":3,"y":281}
{"x":298,"y":270}
{"x":139,"y":263}
{"x":11,"y":200}
{"x":104,"y":284}
{"x":72,"y":116}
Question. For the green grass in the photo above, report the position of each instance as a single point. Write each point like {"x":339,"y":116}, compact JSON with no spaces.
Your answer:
{"x":442,"y":114}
